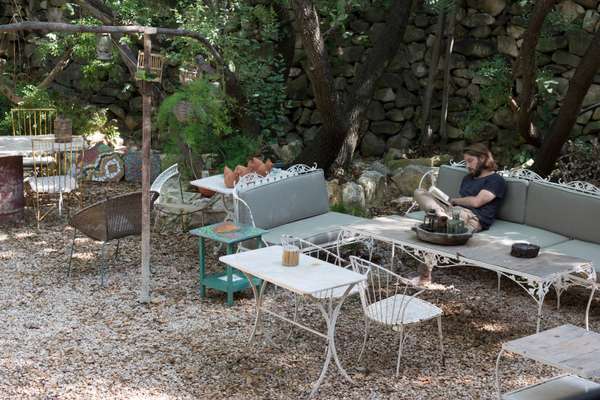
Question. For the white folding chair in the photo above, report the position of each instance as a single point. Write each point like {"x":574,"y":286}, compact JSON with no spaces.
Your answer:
{"x":386,"y":301}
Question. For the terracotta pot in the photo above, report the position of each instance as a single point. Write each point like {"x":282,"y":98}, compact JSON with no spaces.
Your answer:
{"x":205,"y":192}
{"x":229,"y":177}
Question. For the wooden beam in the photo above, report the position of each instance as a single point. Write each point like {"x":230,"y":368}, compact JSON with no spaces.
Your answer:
{"x":146,"y":137}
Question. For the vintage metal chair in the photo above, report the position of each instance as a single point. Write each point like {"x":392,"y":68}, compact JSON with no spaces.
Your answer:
{"x":110,"y":219}
{"x":32,"y":121}
{"x":178,"y":208}
{"x":386,"y":301}
{"x":56,"y":178}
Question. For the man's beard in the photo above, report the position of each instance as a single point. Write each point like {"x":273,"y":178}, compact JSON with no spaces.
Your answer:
{"x":477,"y":171}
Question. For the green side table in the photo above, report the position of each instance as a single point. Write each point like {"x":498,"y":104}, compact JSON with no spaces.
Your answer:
{"x":231,"y":280}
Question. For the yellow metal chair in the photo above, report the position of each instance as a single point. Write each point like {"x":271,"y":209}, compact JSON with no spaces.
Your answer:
{"x":32,"y":121}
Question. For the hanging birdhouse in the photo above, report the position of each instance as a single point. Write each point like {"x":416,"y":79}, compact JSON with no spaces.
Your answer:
{"x":156,"y":67}
{"x":104,"y":47}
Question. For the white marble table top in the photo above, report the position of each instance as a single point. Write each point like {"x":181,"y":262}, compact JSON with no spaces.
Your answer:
{"x":215,"y":183}
{"x":22,"y":145}
{"x":310,"y":276}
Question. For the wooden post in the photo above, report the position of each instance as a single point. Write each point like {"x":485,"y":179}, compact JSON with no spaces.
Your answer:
{"x":146,"y":136}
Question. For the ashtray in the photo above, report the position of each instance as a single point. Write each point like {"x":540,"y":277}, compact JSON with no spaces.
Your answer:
{"x":447,"y":239}
{"x":524,"y":250}
{"x":226,"y":227}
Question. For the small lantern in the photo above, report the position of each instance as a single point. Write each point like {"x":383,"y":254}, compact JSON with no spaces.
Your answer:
{"x":429,"y":221}
{"x":104,"y":47}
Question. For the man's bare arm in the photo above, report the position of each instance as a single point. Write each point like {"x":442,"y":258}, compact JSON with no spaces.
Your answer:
{"x":482,"y":198}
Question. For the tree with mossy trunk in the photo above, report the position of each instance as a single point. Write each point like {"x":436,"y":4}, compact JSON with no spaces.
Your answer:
{"x":343,"y":116}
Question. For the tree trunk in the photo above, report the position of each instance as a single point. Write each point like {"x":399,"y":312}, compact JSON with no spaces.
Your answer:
{"x":426,"y":131}
{"x":561,"y":128}
{"x":360,"y":94}
{"x":446,"y":90}
{"x":318,"y":68}
{"x":525,"y":68}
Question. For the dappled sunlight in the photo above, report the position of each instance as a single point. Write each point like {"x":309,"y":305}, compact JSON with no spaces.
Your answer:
{"x":493,"y":327}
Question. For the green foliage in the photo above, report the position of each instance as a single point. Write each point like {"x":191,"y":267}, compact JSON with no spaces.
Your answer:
{"x":341,"y":208}
{"x":246,"y":35}
{"x":207,"y":128}
{"x":494,"y":92}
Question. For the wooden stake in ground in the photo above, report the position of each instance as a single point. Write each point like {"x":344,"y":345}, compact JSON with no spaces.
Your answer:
{"x":146,"y":137}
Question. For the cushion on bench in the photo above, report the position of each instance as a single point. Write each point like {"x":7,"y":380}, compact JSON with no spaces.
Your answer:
{"x":449,"y":179}
{"x":509,"y":232}
{"x":515,"y":200}
{"x":287,"y":200}
{"x":578,"y":248}
{"x":568,"y":212}
{"x":319,"y":229}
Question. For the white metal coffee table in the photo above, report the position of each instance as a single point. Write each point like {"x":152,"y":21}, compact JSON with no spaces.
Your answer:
{"x":569,"y":348}
{"x":312,"y":278}
{"x":216,"y":184}
{"x":535,"y":275}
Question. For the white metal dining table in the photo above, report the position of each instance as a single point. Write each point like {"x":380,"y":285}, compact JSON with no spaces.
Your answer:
{"x":311,"y":278}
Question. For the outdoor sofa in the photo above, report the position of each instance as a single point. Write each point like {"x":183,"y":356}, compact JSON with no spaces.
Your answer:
{"x":563,"y":218}
{"x":290,"y":202}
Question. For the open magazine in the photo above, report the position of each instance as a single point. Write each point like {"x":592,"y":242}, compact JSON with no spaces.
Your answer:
{"x":440,"y":195}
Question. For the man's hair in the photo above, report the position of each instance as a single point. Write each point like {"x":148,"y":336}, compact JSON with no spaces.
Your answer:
{"x":481,"y":150}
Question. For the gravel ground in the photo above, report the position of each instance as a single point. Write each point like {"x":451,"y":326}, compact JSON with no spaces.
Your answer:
{"x":69,"y":338}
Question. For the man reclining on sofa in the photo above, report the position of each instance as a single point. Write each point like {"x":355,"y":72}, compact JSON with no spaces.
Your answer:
{"x":482,"y":191}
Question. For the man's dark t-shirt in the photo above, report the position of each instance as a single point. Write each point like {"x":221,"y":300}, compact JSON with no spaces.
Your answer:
{"x":493,"y":183}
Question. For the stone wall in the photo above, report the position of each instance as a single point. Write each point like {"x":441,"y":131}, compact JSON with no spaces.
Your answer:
{"x":484,"y":28}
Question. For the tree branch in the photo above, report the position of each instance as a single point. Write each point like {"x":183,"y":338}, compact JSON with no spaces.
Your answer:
{"x":60,"y":65}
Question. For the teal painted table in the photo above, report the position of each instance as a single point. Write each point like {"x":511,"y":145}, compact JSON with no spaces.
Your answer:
{"x":229,"y":281}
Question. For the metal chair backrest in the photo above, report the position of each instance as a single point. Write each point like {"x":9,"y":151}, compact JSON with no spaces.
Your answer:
{"x":378,"y":293}
{"x":32,"y":121}
{"x":57,"y":167}
{"x":319,"y":252}
{"x":163,"y":177}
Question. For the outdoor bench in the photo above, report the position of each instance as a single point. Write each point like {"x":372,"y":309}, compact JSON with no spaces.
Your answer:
{"x":290,"y":202}
{"x":559,"y":217}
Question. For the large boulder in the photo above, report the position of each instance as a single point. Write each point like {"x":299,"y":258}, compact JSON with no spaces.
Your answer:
{"x":492,"y":7}
{"x":374,"y":187}
{"x":475,"y":48}
{"x":372,"y":145}
{"x":407,"y":179}
{"x":353,"y":196}
{"x":334,"y":191}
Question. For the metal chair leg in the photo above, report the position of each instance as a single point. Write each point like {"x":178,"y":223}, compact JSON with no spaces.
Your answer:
{"x":102,"y":265}
{"x":117,"y":250}
{"x":400,"y":349}
{"x":441,"y":334}
{"x":364,"y":345}
{"x":71,"y":255}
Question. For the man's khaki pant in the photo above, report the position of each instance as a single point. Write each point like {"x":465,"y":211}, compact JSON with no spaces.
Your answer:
{"x":427,"y":202}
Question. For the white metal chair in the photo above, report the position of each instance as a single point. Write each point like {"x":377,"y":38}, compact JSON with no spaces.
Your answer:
{"x":386,"y":301}
{"x":179,"y":208}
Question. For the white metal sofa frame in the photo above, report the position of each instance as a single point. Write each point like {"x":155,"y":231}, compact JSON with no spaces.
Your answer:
{"x":587,"y":281}
{"x":330,"y":229}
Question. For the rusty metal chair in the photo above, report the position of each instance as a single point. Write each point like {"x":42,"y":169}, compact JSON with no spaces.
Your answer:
{"x":110,"y":219}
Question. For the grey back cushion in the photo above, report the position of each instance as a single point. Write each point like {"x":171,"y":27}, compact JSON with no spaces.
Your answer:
{"x":570,"y":213}
{"x":449,"y":179}
{"x":287,"y":200}
{"x":515,"y":201}
{"x":513,"y":205}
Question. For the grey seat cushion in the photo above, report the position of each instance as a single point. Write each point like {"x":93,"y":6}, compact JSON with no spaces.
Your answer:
{"x":579,"y":248}
{"x":515,"y":201}
{"x":449,"y":179}
{"x":509,"y":232}
{"x":564,"y":211}
{"x":287,"y":200}
{"x":319,"y":229}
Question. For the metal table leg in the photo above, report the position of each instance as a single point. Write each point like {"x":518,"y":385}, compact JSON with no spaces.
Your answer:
{"x":258,"y":297}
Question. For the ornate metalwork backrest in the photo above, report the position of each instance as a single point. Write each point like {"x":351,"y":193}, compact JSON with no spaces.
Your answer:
{"x":57,"y":167}
{"x":161,"y":179}
{"x":32,"y":121}
{"x":313,"y":250}
{"x":253,"y":180}
{"x":384,"y":294}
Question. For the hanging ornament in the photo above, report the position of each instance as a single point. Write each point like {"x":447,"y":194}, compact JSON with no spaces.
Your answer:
{"x":104,"y":47}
